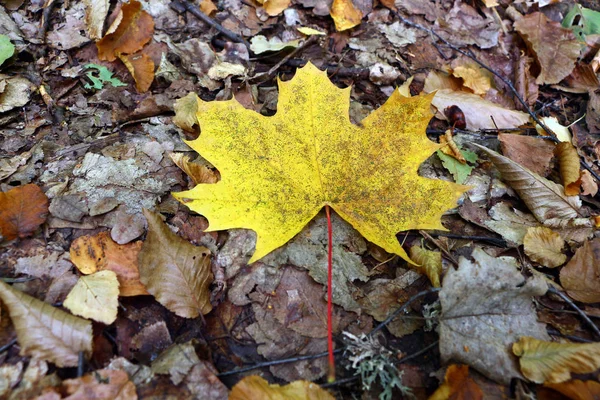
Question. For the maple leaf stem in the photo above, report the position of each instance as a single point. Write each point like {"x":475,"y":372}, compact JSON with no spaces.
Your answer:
{"x":331,"y":376}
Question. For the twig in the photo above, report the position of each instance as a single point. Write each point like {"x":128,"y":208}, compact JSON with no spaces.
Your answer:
{"x":439,"y":246}
{"x":583,"y":315}
{"x":47,"y":10}
{"x":8,"y":345}
{"x":418,"y":353}
{"x":80,"y":364}
{"x":556,"y":332}
{"x":340,"y":382}
{"x":181,"y":6}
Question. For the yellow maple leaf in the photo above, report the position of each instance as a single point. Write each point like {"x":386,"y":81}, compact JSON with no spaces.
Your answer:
{"x":278,"y":172}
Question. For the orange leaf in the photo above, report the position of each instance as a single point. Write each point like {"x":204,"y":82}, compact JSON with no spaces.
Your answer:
{"x":100,"y":252}
{"x":568,"y":160}
{"x":99,"y":385}
{"x":135,"y":29}
{"x":577,"y":390}
{"x":458,"y":385}
{"x":255,"y":387}
{"x":141,"y":67}
{"x":22,"y":211}
{"x":580,"y":277}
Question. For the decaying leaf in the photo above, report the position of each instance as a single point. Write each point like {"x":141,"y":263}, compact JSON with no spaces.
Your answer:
{"x":544,"y":246}
{"x":576,"y":389}
{"x":175,"y":272}
{"x":176,"y":361}
{"x":22,"y":211}
{"x":458,"y":385}
{"x":486,"y":306}
{"x":568,"y":160}
{"x":581,"y":276}
{"x":44,"y":331}
{"x":588,"y":184}
{"x":555,"y":47}
{"x":99,"y":252}
{"x":134,"y":30}
{"x":551,"y":362}
{"x":345,"y":15}
{"x":430,"y":263}
{"x":255,"y":387}
{"x":102,"y":384}
{"x":197,"y":172}
{"x":16,"y":92}
{"x":141,"y":67}
{"x":531,"y":152}
{"x":95,"y":15}
{"x":95,"y":297}
{"x":274,"y":181}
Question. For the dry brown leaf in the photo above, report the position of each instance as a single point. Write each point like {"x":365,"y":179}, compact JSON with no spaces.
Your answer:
{"x":186,"y":109}
{"x":102,"y":384}
{"x":430,"y":263}
{"x":552,"y":362}
{"x":592,"y":115}
{"x":14,"y":92}
{"x":581,"y":276}
{"x":22,"y":211}
{"x":134,"y":30}
{"x":46,"y":332}
{"x":544,"y":198}
{"x":198,"y":173}
{"x":95,"y":297}
{"x":95,"y":15}
{"x":530,"y":152}
{"x":141,"y":67}
{"x":474,"y":77}
{"x":207,"y":7}
{"x":555,"y":47}
{"x":577,"y":390}
{"x":255,"y":387}
{"x":99,"y":252}
{"x":588,"y":184}
{"x":274,"y":7}
{"x":524,"y":82}
{"x":568,"y":160}
{"x":177,"y":273}
{"x":458,"y":385}
{"x":345,"y":15}
{"x":544,"y":246}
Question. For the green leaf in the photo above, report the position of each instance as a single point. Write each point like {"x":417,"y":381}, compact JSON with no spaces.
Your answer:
{"x":7,"y":49}
{"x":104,"y":76}
{"x":582,"y":21}
{"x":459,"y":171}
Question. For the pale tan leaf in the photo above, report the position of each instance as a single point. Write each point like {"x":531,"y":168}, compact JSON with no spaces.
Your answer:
{"x":530,"y":152}
{"x":198,"y":173}
{"x":588,"y":183}
{"x":255,"y":387}
{"x":95,"y":14}
{"x":46,"y":332}
{"x":479,"y":112}
{"x":544,"y":246}
{"x":185,"y":112}
{"x":175,"y":272}
{"x":474,"y":77}
{"x":544,"y":198}
{"x":438,"y":80}
{"x":102,"y":384}
{"x":568,"y":160}
{"x":95,"y":297}
{"x":581,"y":276}
{"x":551,"y":362}
{"x":430,"y":263}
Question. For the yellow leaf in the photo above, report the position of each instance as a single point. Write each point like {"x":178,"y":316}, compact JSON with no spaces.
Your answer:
{"x":404,"y":89}
{"x":255,"y":387}
{"x":474,"y":77}
{"x":46,"y":332}
{"x":568,"y":161}
{"x":345,"y":15}
{"x":278,"y":172}
{"x":430,"y":263}
{"x":562,"y":132}
{"x":175,"y":272}
{"x":554,"y":362}
{"x":309,"y":31}
{"x":544,"y":246}
{"x":95,"y":297}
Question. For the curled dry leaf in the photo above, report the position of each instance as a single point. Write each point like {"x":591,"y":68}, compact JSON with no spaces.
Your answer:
{"x":544,"y":198}
{"x":581,"y":276}
{"x":430,"y":263}
{"x":22,"y":211}
{"x":198,"y":173}
{"x":555,"y":47}
{"x":141,"y":67}
{"x":458,"y":385}
{"x":95,"y":297}
{"x":102,"y":384}
{"x":568,"y":160}
{"x":175,"y":272}
{"x":99,"y":252}
{"x":474,"y":77}
{"x":576,"y":389}
{"x":44,"y":331}
{"x":552,"y":362}
{"x":95,"y":15}
{"x":135,"y":29}
{"x":255,"y":387}
{"x":544,"y":246}
{"x":185,"y":112}
{"x":345,"y":15}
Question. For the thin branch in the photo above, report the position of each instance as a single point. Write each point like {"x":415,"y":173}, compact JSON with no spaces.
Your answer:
{"x":439,"y":246}
{"x":418,"y":353}
{"x":583,"y":315}
{"x":8,"y":345}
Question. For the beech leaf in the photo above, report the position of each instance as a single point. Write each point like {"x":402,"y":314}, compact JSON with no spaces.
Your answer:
{"x":175,"y":272}
{"x":44,"y":331}
{"x":430,"y":263}
{"x":102,"y":384}
{"x":458,"y":385}
{"x":576,"y":389}
{"x":95,"y":14}
{"x":141,"y":67}
{"x":568,"y":161}
{"x":581,"y":276}
{"x":544,"y":246}
{"x":22,"y":211}
{"x":95,"y":297}
{"x":255,"y":387}
{"x":278,"y":172}
{"x":551,"y":362}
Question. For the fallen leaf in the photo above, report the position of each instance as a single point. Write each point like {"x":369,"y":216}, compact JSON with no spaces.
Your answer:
{"x":100,"y":385}
{"x":203,"y":383}
{"x":274,"y":182}
{"x":44,"y":331}
{"x":551,"y":362}
{"x":255,"y":387}
{"x":197,"y":172}
{"x":345,"y":15}
{"x":581,"y":276}
{"x":16,"y":92}
{"x":544,"y":246}
{"x":562,"y":132}
{"x":576,"y":389}
{"x":99,"y":252}
{"x":260,"y":44}
{"x":583,"y":21}
{"x":460,"y":171}
{"x":95,"y":15}
{"x":186,"y":109}
{"x":592,"y":116}
{"x":530,"y":152}
{"x":177,"y":273}
{"x":474,"y":77}
{"x":95,"y":297}
{"x":430,"y":263}
{"x":568,"y":161}
{"x":438,"y":80}
{"x":464,"y":25}
{"x":141,"y":67}
{"x":486,"y":306}
{"x":7,"y":49}
{"x":207,"y":7}
{"x":274,"y":7}
{"x":103,"y":76}
{"x":479,"y":112}
{"x":22,"y":211}
{"x":588,"y":184}
{"x":135,"y":29}
{"x":458,"y":385}
{"x":555,"y":47}
{"x":305,"y":30}
{"x":176,"y":361}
